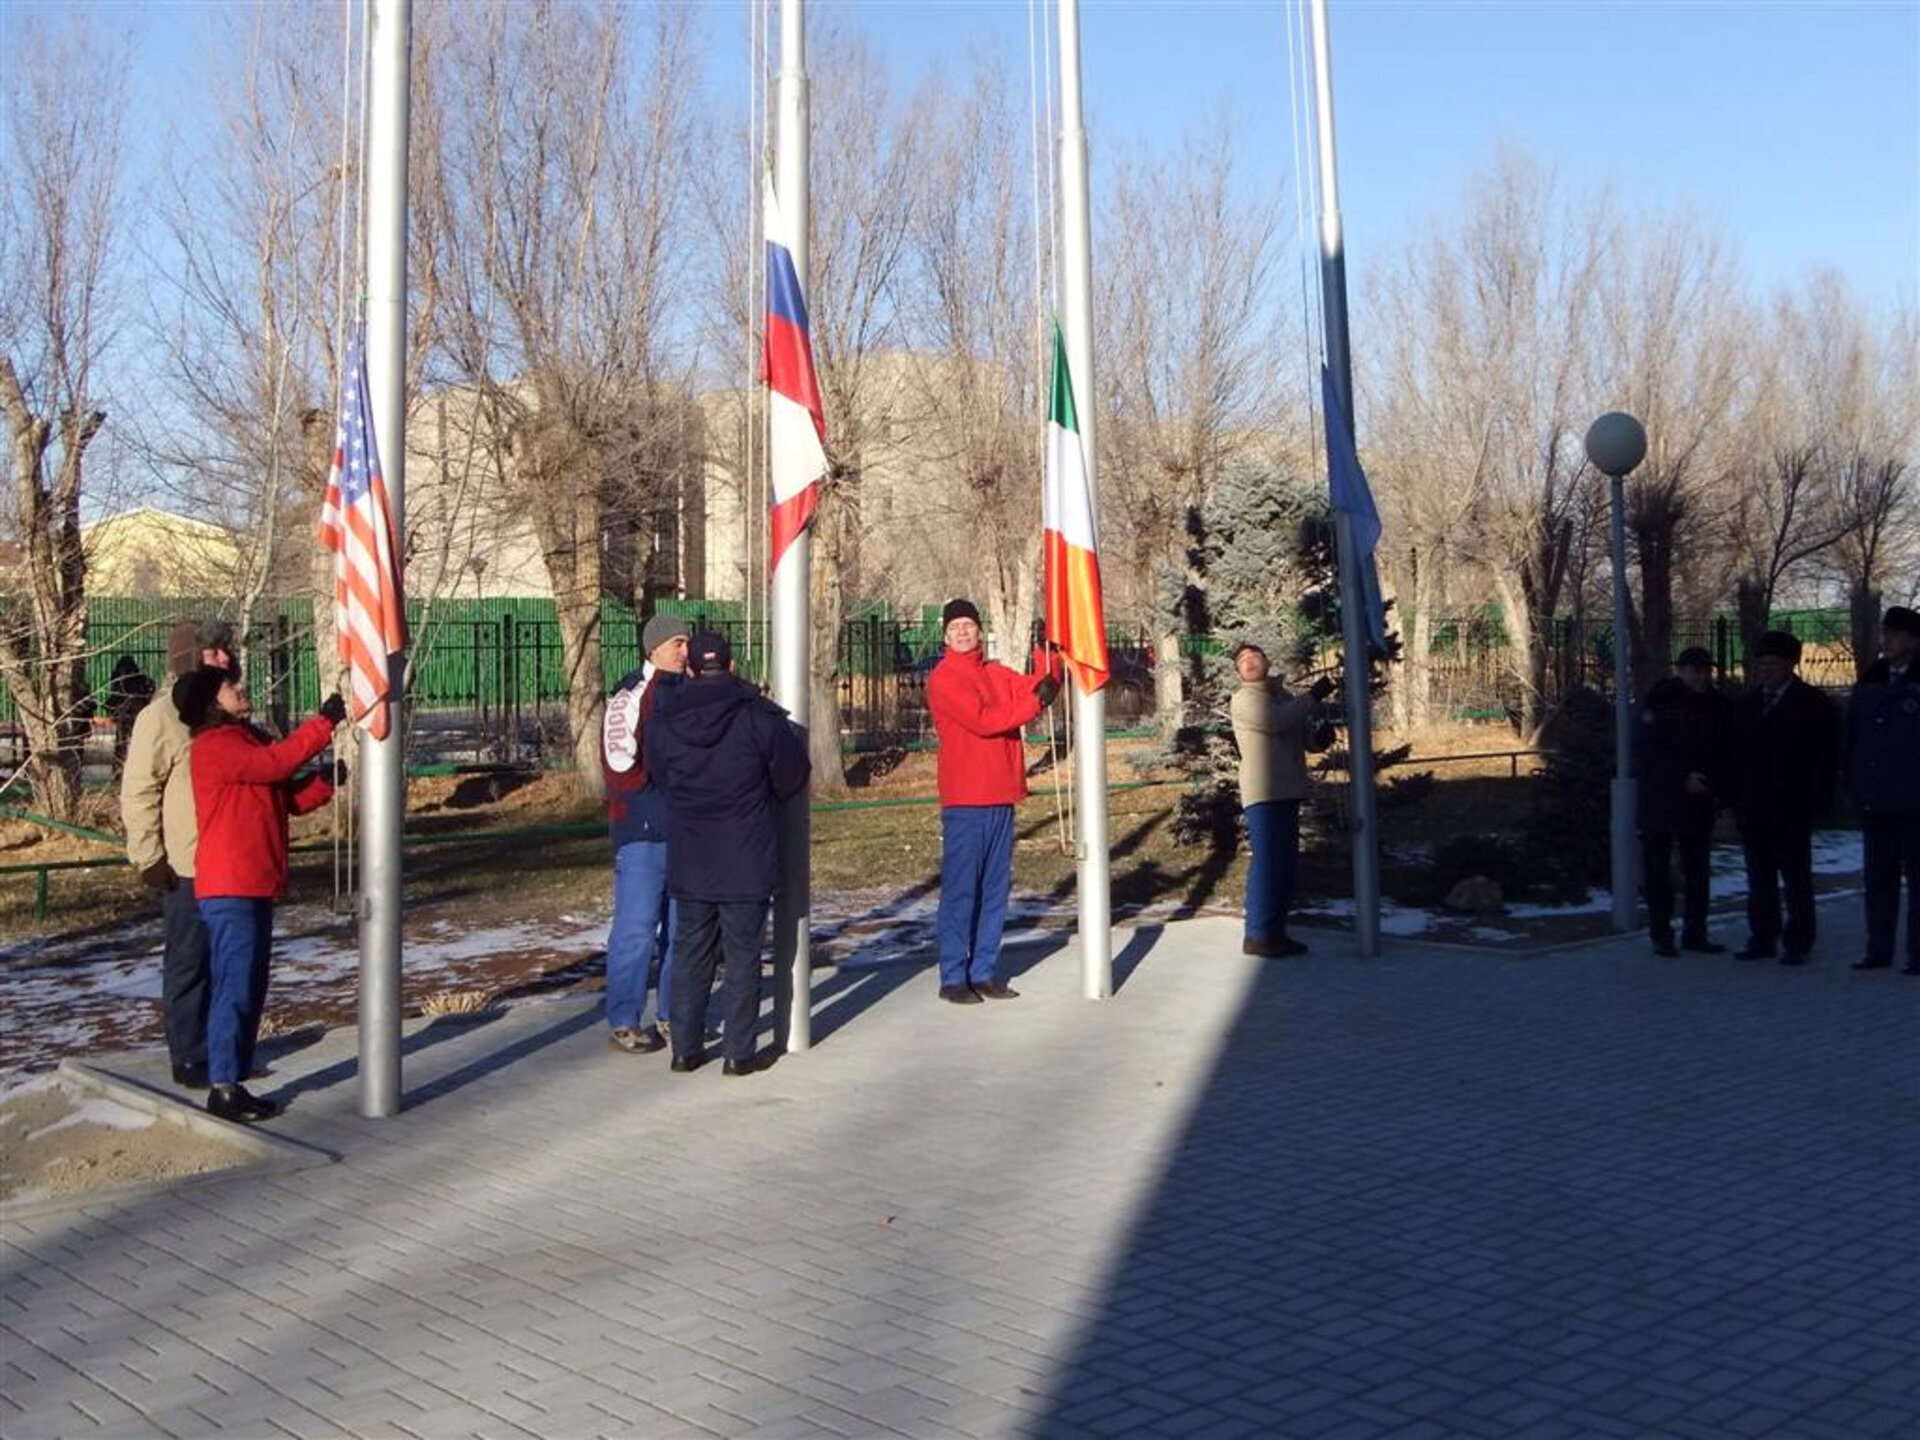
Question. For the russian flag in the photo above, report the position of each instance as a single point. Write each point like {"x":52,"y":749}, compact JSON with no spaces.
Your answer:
{"x":797,"y":426}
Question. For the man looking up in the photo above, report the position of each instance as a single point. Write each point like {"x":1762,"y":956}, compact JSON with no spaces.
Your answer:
{"x":1270,"y":727}
{"x":156,"y":807}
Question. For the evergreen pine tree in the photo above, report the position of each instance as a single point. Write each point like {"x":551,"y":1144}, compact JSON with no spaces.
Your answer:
{"x":1260,"y":567}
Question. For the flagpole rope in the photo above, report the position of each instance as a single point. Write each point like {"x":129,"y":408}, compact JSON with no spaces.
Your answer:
{"x":1296,"y":62}
{"x":1305,"y":185}
{"x":1039,"y":152}
{"x":750,"y":589}
{"x":341,"y":802}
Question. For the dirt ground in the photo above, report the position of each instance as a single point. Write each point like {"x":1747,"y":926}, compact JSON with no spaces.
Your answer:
{"x":56,"y":1140}
{"x":520,"y":858}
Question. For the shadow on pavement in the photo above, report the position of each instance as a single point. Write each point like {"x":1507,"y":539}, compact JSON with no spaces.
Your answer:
{"x":443,"y":1028}
{"x":583,"y":1019}
{"x":1436,"y":1196}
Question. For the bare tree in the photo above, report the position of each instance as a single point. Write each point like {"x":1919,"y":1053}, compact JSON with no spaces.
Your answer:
{"x":252,"y":319}
{"x":556,"y":185}
{"x":866,"y":152}
{"x":1775,"y":511}
{"x":981,"y":405}
{"x":1863,"y":388}
{"x":59,"y":236}
{"x":1502,"y":368}
{"x":1185,"y":378}
{"x":1670,"y":312}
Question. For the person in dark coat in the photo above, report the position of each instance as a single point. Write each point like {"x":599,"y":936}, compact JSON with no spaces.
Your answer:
{"x":128,"y":693}
{"x":726,"y":757}
{"x":1883,"y":769}
{"x":1683,"y":735}
{"x":1786,"y":755}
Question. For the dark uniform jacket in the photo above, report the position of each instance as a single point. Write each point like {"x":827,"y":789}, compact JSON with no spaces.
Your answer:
{"x":726,"y":757}
{"x":1787,"y":757}
{"x":1682,"y":733}
{"x":1883,"y":741}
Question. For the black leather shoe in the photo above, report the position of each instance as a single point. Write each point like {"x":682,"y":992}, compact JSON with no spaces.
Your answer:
{"x":958,"y":995}
{"x":1795,"y":957}
{"x":741,"y":1067}
{"x":237,"y":1103}
{"x":1754,"y":952}
{"x":687,"y":1064}
{"x":1664,"y":947}
{"x":996,"y":990}
{"x":1871,"y":964}
{"x":1703,"y":947}
{"x":193,"y":1077}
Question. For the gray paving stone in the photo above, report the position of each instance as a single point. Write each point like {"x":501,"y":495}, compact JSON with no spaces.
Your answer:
{"x":1579,"y":1195}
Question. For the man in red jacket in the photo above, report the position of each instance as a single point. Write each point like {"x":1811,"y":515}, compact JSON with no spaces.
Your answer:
{"x":243,"y":791}
{"x":979,"y":707}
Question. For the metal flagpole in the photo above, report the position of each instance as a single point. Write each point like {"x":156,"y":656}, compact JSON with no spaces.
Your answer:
{"x":382,"y":762}
{"x":1089,"y":711}
{"x":791,"y":620}
{"x":1357,"y":670}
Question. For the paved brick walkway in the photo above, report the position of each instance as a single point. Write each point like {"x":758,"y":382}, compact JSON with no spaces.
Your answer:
{"x":1591,"y":1193}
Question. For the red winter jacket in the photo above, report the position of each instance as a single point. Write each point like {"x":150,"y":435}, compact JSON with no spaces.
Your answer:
{"x":242,"y":796}
{"x":978,"y":708}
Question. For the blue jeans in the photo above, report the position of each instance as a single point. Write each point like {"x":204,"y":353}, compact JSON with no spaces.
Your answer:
{"x":976,"y":879}
{"x":1273,"y":833}
{"x":239,"y":943}
{"x":640,"y":940}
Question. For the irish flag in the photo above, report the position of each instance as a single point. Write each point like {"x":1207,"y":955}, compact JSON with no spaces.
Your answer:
{"x":1076,"y":619}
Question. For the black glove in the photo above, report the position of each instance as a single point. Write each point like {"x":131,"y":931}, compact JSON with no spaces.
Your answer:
{"x":159,"y":876}
{"x":1046,"y":690}
{"x":339,"y":772}
{"x":1321,"y":688}
{"x":334,"y":709}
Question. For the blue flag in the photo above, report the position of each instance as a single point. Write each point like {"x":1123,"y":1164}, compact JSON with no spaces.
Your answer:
{"x":1350,"y":494}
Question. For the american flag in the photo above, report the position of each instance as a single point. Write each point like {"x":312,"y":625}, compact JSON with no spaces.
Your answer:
{"x":369,"y":619}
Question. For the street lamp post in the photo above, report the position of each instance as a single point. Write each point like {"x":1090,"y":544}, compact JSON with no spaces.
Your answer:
{"x":1617,"y":442}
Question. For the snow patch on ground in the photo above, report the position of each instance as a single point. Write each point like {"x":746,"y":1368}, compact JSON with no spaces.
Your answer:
{"x":98,"y":1110}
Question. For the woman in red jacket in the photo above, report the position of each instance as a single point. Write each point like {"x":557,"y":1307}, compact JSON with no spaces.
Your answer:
{"x":243,"y":792}
{"x":979,"y":707}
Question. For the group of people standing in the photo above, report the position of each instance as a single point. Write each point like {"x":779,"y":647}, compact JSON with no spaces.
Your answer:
{"x":697,"y":763}
{"x":205,"y":796}
{"x":1773,"y":755}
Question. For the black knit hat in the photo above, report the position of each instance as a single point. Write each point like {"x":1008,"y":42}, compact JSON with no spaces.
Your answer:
{"x":195,"y":693}
{"x":1780,"y":644}
{"x":1899,"y":617}
{"x":709,"y":653}
{"x":958,"y":610}
{"x":1693,"y":655}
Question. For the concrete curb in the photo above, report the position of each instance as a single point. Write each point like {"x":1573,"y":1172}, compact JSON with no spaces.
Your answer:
{"x":261,"y":1153}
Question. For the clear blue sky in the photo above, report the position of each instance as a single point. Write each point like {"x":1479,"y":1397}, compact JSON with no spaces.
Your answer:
{"x":1796,"y":123}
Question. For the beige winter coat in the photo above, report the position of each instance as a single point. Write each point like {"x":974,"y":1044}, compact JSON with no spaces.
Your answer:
{"x":156,"y":790}
{"x":1270,"y":727}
